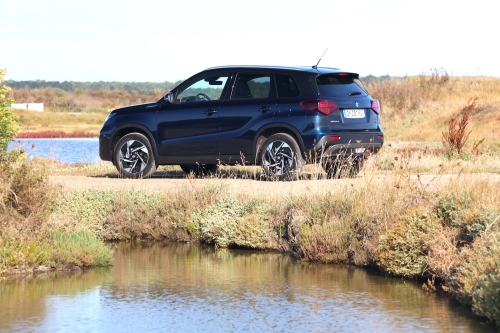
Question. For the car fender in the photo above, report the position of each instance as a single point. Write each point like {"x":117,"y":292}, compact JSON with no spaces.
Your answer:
{"x":142,"y":129}
{"x":275,"y":127}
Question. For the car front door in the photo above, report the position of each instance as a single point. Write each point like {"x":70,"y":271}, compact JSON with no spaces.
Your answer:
{"x":188,"y":125}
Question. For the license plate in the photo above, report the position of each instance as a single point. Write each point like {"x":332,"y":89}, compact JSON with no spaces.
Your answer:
{"x":359,"y":150}
{"x":354,"y":113}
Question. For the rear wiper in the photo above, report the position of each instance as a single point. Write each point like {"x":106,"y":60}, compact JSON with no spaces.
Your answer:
{"x":352,"y":93}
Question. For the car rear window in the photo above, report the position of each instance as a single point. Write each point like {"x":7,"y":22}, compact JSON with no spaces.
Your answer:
{"x":252,"y":86}
{"x":334,"y":85}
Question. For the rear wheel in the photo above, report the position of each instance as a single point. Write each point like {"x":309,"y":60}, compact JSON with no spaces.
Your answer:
{"x":199,"y":170}
{"x":134,"y":157}
{"x":280,"y":157}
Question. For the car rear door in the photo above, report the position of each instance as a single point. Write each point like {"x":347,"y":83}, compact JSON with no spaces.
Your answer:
{"x":251,"y":103}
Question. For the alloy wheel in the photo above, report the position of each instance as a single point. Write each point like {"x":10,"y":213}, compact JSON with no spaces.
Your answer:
{"x":134,"y":156}
{"x":278,"y":158}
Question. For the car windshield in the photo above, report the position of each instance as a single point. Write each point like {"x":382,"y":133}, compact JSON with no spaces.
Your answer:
{"x":334,"y":85}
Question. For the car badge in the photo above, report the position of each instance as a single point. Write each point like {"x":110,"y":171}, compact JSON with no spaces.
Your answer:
{"x":357,"y":104}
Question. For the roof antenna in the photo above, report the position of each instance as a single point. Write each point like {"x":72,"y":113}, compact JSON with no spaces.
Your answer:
{"x":316,"y":66}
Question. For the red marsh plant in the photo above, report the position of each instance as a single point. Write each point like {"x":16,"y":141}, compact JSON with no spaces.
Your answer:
{"x":55,"y":134}
{"x":456,"y":137}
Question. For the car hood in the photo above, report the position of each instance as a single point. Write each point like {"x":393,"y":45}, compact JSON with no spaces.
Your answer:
{"x":137,"y":107}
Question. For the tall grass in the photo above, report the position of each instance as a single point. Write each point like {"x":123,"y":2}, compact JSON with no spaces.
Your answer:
{"x":419,"y":108}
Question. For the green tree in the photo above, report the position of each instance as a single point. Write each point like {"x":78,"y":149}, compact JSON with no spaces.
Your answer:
{"x":8,"y":125}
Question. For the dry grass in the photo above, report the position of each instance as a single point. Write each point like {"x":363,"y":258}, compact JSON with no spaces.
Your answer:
{"x":72,"y":112}
{"x":79,"y":101}
{"x":419,"y":108}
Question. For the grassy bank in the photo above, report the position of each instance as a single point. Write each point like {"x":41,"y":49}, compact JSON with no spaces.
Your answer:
{"x":27,"y":241}
{"x":410,"y":213}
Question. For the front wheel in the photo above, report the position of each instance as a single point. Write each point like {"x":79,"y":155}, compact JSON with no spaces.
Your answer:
{"x":281,"y":158}
{"x":134,"y":157}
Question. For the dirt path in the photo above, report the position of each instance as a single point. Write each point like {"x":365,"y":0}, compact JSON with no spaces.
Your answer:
{"x":256,"y":187}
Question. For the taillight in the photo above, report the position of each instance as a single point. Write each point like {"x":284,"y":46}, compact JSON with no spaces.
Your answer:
{"x":320,"y":105}
{"x":375,"y":106}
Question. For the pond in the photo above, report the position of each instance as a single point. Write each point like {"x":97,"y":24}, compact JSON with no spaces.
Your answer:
{"x":191,"y":288}
{"x":64,"y":150}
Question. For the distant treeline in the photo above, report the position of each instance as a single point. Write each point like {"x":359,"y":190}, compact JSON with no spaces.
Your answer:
{"x":141,"y":87}
{"x":72,"y":86}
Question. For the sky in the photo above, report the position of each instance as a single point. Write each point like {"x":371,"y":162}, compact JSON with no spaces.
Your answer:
{"x":164,"y":40}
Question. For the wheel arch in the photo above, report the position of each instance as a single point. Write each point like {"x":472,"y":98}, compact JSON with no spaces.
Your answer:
{"x":271,"y":129}
{"x":123,"y":130}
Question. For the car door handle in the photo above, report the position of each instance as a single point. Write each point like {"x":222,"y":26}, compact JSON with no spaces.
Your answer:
{"x":263,"y":109}
{"x":209,"y":112}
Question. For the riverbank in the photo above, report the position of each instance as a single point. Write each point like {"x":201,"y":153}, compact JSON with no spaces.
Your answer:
{"x":409,"y":213}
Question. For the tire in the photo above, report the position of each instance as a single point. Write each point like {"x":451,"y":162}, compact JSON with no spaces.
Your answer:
{"x":280,"y":157}
{"x":199,"y":170}
{"x":134,"y":156}
{"x":343,"y":168}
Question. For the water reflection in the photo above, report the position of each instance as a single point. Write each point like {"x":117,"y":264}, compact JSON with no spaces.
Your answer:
{"x":182,"y":287}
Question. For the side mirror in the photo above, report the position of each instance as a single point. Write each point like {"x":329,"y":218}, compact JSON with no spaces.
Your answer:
{"x":168,"y":98}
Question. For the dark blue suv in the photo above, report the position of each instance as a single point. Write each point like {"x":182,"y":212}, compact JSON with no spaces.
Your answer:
{"x":277,"y":117}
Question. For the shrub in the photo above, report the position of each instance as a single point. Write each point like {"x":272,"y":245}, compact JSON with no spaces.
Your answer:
{"x":450,"y":205}
{"x":8,"y":125}
{"x":465,"y":212}
{"x":403,"y":251}
{"x":132,"y":214}
{"x":80,"y":248}
{"x":231,"y":222}
{"x":326,"y":241}
{"x":486,"y":296}
{"x":477,"y":272}
{"x":15,"y":252}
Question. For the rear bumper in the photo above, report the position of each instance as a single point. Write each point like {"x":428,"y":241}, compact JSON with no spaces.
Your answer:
{"x":104,"y":152}
{"x":350,"y":144}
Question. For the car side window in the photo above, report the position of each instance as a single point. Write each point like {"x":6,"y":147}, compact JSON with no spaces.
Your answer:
{"x":206,"y":89}
{"x":286,"y":87}
{"x":252,"y":86}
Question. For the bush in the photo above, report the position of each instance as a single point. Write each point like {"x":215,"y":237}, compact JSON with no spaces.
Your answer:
{"x":403,"y":251}
{"x":26,"y":238}
{"x":80,"y":248}
{"x":8,"y":125}
{"x":486,"y":296}
{"x":231,"y":222}
{"x":475,"y":279}
{"x":464,"y":211}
